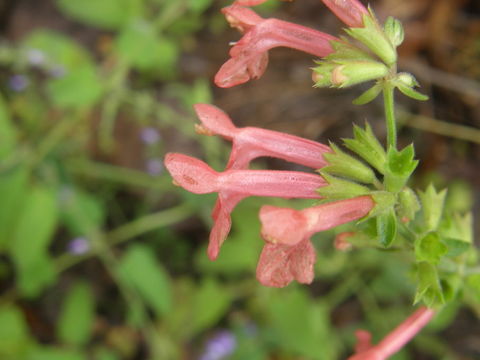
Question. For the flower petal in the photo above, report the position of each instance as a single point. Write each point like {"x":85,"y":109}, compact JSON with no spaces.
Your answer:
{"x":349,"y":11}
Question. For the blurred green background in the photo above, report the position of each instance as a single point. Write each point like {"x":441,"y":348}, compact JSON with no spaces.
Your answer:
{"x":101,"y":257}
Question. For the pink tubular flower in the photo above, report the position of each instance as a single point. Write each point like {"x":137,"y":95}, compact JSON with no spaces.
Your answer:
{"x":349,"y":11}
{"x":288,"y":253}
{"x":394,"y":341}
{"x":249,"y":56}
{"x":251,"y":142}
{"x":234,"y":185}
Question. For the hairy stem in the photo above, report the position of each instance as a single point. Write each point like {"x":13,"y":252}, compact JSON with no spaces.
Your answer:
{"x":389,"y":105}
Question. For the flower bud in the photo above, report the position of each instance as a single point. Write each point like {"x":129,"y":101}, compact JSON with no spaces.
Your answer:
{"x":394,"y":31}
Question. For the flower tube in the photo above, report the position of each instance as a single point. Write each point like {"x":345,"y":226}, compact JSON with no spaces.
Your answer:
{"x":288,"y":253}
{"x":251,"y":142}
{"x":234,"y":185}
{"x":249,"y":56}
{"x":394,"y":341}
{"x":349,"y":11}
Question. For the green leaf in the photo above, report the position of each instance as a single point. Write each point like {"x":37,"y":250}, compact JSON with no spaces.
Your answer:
{"x":430,"y":248}
{"x":368,"y":95}
{"x":338,"y":189}
{"x":456,"y":247}
{"x":14,"y":333}
{"x":408,"y":204}
{"x":29,"y":247}
{"x":387,"y":228}
{"x":104,"y":353}
{"x":210,"y":303}
{"x":473,"y":282}
{"x":76,"y":318}
{"x":81,"y":212}
{"x":53,"y":353}
{"x":141,"y":270}
{"x":429,"y":289}
{"x":199,"y":5}
{"x":344,"y":165}
{"x":59,"y":49}
{"x":140,"y":45}
{"x":107,"y":14}
{"x":79,"y":88}
{"x":373,"y":37}
{"x":367,"y":146}
{"x":411,"y":93}
{"x":432,"y":204}
{"x":297,"y":325}
{"x":400,"y":166}
{"x":8,"y":132}
{"x":13,"y":192}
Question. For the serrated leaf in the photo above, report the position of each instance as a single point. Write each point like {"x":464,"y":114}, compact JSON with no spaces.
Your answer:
{"x":141,"y":270}
{"x":430,"y":248}
{"x":338,"y":189}
{"x":76,"y":318}
{"x":107,"y":14}
{"x":432,"y":204}
{"x":344,"y":165}
{"x":367,"y":146}
{"x":411,"y":93}
{"x":386,"y":228}
{"x":368,"y":95}
{"x":429,"y":289}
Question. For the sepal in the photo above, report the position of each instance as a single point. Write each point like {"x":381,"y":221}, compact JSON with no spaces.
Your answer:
{"x":338,"y":189}
{"x":432,"y":204}
{"x":394,"y":31}
{"x":369,"y":95}
{"x":400,"y":165}
{"x":408,"y":205}
{"x":344,"y":165}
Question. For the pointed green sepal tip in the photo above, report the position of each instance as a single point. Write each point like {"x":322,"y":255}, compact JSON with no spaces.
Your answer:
{"x":400,"y":166}
{"x":406,"y":82}
{"x":346,"y":166}
{"x":433,"y":203}
{"x":368,"y":95}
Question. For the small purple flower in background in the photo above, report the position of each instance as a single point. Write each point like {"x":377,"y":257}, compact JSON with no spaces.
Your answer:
{"x":78,"y":246}
{"x":219,"y":346}
{"x":36,"y":57}
{"x":154,"y":166}
{"x":18,"y":83}
{"x":150,"y":136}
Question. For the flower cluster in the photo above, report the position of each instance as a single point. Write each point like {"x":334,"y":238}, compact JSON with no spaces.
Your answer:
{"x":288,"y":253}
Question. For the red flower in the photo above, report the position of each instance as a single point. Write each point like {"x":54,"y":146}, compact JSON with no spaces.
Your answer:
{"x":288,"y":253}
{"x":234,"y":185}
{"x":394,"y":341}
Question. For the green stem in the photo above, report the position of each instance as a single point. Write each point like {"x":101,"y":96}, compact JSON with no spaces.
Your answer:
{"x":389,"y":104}
{"x":128,"y":231}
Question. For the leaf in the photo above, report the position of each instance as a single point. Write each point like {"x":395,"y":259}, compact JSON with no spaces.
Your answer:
{"x":29,"y":247}
{"x":14,"y":333}
{"x":429,"y":289}
{"x":432,"y":204}
{"x":107,"y":14}
{"x":400,"y":166}
{"x":53,"y":353}
{"x":210,"y":303}
{"x":13,"y":191}
{"x":80,"y":88}
{"x":8,"y":132}
{"x":456,"y":247}
{"x":369,"y":95}
{"x":386,"y":228}
{"x":59,"y":49}
{"x":141,"y":270}
{"x":430,"y":248}
{"x":76,"y":318}
{"x":141,"y":45}
{"x":367,"y":146}
{"x":344,"y":165}
{"x":411,"y":93}
{"x":81,"y":212}
{"x":473,"y":282}
{"x":199,"y":5}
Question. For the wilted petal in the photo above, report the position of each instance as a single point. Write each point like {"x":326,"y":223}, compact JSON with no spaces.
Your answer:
{"x":394,"y":341}
{"x":280,"y":264}
{"x":251,"y":142}
{"x":349,"y":11}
